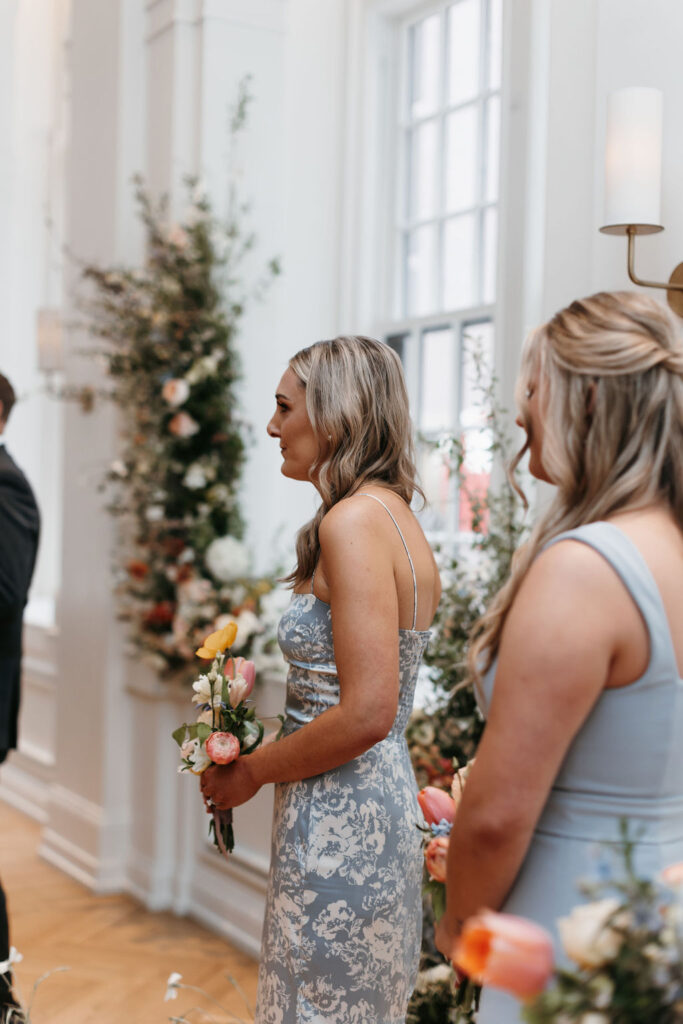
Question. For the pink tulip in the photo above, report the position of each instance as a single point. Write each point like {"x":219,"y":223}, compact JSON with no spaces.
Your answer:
{"x":506,"y":952}
{"x":242,"y":674}
{"x":222,"y":747}
{"x":436,"y":805}
{"x":435,"y":858}
{"x":673,"y":875}
{"x":182,"y":425}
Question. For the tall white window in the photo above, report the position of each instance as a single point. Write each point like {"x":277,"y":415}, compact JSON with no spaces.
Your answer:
{"x":444,"y":234}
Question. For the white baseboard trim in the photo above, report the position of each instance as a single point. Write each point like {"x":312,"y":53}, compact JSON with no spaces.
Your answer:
{"x":24,"y":789}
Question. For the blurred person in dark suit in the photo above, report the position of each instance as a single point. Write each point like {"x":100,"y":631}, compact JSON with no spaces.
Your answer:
{"x":19,"y":529}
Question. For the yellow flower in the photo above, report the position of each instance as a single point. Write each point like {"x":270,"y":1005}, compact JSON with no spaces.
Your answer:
{"x":216,"y":642}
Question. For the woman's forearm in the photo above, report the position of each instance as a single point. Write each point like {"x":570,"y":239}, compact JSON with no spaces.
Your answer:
{"x":330,"y":740}
{"x":483,"y":862}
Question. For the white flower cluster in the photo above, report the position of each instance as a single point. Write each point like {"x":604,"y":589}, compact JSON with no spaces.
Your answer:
{"x":227,"y":559}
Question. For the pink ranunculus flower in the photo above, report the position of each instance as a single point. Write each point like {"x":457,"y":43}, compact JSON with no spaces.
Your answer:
{"x":436,"y":805}
{"x":242,"y":676}
{"x":505,"y":952}
{"x":182,"y":425}
{"x":175,"y":391}
{"x":222,"y":747}
{"x":435,"y":858}
{"x":673,"y":875}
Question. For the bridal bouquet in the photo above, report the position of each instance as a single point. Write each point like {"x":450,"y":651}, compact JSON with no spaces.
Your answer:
{"x":627,"y":947}
{"x":226,"y":727}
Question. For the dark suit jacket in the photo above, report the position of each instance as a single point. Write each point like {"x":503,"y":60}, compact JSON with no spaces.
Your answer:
{"x":19,"y":529}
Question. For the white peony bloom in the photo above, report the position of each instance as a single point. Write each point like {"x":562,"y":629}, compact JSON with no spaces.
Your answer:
{"x":154,"y":513}
{"x":586,"y":936}
{"x":195,"y":478}
{"x":227,"y":559}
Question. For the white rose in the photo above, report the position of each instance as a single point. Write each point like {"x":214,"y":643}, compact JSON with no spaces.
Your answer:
{"x":586,"y":936}
{"x":227,"y":559}
{"x":195,"y":478}
{"x":594,"y":1018}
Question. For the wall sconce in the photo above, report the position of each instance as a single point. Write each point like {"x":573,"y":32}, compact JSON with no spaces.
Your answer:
{"x":633,"y":171}
{"x":51,"y":359}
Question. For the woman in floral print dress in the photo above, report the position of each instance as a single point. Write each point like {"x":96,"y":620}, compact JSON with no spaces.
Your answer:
{"x":341,"y":935}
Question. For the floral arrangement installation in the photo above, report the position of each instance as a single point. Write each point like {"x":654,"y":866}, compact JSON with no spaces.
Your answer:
{"x":227,"y":727}
{"x":445,"y":736}
{"x":167,"y":335}
{"x":627,"y":946}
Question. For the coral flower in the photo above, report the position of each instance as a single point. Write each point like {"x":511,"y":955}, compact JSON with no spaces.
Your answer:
{"x":138,"y":569}
{"x":435,"y":858}
{"x":436,"y":805}
{"x":506,"y":952}
{"x":182,"y":425}
{"x":216,"y":642}
{"x":222,"y":747}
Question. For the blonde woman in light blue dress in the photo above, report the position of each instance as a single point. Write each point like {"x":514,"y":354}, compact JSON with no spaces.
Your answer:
{"x":341,"y":936}
{"x":582,"y":651}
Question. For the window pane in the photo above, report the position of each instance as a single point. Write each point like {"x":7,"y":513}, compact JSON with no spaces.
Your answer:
{"x":488,"y":285}
{"x":495,"y":43}
{"x":438,"y":487}
{"x":463,"y":50}
{"x":477,"y":370}
{"x":425,"y":66}
{"x":460,"y":262}
{"x":476,"y":478}
{"x":421,"y":270}
{"x":492,"y":148}
{"x":438,"y":380}
{"x":461,"y":159}
{"x":424,"y":165}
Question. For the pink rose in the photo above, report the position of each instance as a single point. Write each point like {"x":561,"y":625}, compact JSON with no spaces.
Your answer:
{"x":242,"y":676}
{"x":435,"y":858}
{"x":175,"y":391}
{"x":506,"y":952}
{"x":182,"y":425}
{"x":436,"y":805}
{"x":222,"y":747}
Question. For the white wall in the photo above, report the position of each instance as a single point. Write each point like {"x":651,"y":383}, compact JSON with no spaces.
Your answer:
{"x":148,"y":84}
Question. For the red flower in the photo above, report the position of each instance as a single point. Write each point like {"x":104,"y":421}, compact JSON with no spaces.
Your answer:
{"x":138,"y":569}
{"x":160,"y":615}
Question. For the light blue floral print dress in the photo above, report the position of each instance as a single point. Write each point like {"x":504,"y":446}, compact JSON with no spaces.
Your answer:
{"x":342,"y":930}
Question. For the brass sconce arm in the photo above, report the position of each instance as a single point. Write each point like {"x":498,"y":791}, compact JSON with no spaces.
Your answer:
{"x":674,"y":287}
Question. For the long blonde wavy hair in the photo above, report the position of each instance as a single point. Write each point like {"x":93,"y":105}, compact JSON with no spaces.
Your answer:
{"x":609,"y":373}
{"x":357,"y":403}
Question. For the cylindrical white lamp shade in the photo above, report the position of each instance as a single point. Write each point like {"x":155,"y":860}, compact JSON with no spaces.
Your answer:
{"x":633,"y":160}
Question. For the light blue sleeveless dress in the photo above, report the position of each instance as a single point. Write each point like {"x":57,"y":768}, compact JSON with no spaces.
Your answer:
{"x":343,"y":922}
{"x":625,"y":762}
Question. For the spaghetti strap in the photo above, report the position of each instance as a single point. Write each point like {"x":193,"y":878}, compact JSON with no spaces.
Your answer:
{"x":403,"y":541}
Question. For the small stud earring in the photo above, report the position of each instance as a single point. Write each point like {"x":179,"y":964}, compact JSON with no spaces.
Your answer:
{"x":329,"y":437}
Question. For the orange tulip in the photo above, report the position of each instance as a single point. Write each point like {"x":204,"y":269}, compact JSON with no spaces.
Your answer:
{"x":435,"y":858}
{"x":505,"y":952}
{"x":216,"y":642}
{"x":436,"y":805}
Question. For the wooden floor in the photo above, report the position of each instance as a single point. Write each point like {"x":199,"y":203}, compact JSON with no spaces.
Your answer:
{"x":119,"y":954}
